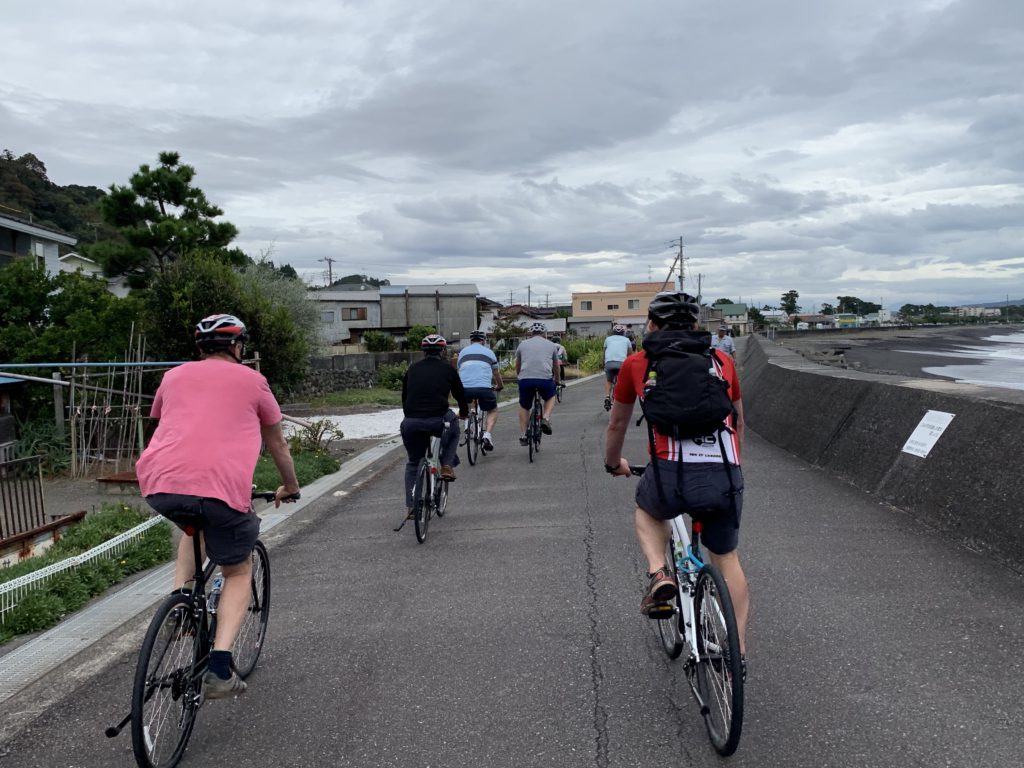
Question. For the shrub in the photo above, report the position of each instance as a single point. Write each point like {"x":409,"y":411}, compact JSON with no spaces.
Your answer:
{"x":378,"y":341}
{"x":390,"y":376}
{"x":315,"y":437}
{"x":591,"y":361}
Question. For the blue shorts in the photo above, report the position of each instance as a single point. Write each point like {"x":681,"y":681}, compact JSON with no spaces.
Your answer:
{"x":527,"y":387}
{"x":488,"y":397}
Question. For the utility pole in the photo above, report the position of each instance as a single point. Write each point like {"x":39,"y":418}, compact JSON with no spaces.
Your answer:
{"x":528,"y":296}
{"x":678,"y":260}
{"x":330,"y":272}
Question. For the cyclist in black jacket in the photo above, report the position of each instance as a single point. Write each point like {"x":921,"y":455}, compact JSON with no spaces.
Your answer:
{"x":426,"y":387}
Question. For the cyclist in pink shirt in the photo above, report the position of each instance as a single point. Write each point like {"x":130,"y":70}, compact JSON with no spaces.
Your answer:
{"x":214,"y":414}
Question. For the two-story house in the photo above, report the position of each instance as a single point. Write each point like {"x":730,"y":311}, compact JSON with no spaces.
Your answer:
{"x":346,"y":315}
{"x":23,"y":239}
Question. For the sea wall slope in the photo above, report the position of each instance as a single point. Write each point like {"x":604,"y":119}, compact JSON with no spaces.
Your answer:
{"x":855,"y":424}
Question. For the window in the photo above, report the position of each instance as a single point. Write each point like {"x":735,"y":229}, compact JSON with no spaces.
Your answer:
{"x":327,"y":316}
{"x":354,"y":313}
{"x":586,"y":305}
{"x":634,"y":304}
{"x":613,"y":306}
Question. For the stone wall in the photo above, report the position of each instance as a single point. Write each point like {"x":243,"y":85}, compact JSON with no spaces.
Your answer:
{"x":319,"y":382}
{"x":854,"y":425}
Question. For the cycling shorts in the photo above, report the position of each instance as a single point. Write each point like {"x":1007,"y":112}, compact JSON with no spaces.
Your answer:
{"x":611,"y":369}
{"x":527,"y":387}
{"x":229,"y":534}
{"x":705,"y":487}
{"x":488,"y":397}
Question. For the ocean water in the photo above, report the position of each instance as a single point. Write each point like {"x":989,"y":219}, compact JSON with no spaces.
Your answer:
{"x":1000,"y":363}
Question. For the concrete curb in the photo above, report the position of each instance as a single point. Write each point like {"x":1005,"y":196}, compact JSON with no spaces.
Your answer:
{"x":855,"y":425}
{"x":38,"y":657}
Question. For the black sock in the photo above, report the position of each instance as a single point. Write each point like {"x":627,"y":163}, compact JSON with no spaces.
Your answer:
{"x":220,"y":664}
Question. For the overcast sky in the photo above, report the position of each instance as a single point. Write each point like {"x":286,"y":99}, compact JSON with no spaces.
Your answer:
{"x":853,"y":147}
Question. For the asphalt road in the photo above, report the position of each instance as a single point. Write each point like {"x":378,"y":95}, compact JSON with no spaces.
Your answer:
{"x":513,"y":636}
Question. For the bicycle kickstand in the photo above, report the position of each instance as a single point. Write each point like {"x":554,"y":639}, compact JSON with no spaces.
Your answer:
{"x":114,"y":730}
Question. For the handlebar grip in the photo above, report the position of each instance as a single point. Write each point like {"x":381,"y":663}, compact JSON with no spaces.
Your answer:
{"x":271,"y":495}
{"x":637,"y":470}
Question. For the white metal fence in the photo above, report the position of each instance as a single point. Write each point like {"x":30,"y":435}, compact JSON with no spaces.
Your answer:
{"x":15,"y":590}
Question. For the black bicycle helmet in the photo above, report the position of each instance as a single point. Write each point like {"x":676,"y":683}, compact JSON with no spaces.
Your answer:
{"x":217,"y":333}
{"x":673,"y":308}
{"x":477,"y":335}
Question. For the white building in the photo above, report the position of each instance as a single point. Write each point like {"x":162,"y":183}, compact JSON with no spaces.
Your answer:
{"x":20,"y":238}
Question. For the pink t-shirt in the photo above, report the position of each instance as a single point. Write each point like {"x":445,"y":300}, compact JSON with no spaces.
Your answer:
{"x":208,"y":439}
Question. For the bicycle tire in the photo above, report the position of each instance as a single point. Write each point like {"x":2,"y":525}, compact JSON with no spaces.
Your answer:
{"x":421,"y":518}
{"x":253,"y":632}
{"x":719,"y":669}
{"x":167,"y":689}
{"x":472,"y":445}
{"x":441,"y":502}
{"x":670,"y":628}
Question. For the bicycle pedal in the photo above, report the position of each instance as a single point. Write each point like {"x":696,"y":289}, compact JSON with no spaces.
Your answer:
{"x":661,"y":611}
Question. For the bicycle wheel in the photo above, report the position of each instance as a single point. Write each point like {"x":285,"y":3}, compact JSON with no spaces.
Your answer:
{"x":719,"y":670}
{"x":670,"y":627}
{"x":167,"y":690}
{"x":422,"y":501}
{"x":441,"y":500}
{"x":472,"y":444}
{"x":253,"y":631}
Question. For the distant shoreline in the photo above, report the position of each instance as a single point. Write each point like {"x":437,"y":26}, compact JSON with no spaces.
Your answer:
{"x":880,"y":350}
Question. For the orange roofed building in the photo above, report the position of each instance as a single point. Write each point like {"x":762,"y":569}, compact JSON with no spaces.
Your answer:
{"x":630,"y":303}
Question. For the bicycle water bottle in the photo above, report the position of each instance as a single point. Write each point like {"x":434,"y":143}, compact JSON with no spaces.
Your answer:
{"x":215,"y":587}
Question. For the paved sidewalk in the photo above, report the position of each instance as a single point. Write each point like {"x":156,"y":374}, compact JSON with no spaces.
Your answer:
{"x":41,"y":655}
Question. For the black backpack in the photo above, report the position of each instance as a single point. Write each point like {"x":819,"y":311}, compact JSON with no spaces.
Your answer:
{"x":683,"y":395}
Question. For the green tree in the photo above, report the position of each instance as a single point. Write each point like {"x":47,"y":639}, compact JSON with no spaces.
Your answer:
{"x":53,"y":319}
{"x":360,"y":280}
{"x":378,"y":341}
{"x":856,"y":306}
{"x":788,"y":302}
{"x":755,"y":316}
{"x":287,"y":270}
{"x":161,"y":217}
{"x":416,"y":334}
{"x":827,"y":309}
{"x":723,"y":301}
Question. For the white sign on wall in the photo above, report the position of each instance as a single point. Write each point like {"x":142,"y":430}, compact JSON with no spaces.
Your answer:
{"x":928,"y":432}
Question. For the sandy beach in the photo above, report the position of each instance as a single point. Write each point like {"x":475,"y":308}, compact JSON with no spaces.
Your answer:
{"x":896,"y":351}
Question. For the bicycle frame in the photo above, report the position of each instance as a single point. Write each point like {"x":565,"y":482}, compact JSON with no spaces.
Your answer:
{"x":687,"y":566}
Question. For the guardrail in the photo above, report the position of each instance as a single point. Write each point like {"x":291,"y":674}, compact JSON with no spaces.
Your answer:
{"x":13,"y":591}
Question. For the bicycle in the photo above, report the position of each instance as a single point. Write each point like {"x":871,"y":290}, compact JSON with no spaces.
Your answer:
{"x":167,"y":691}
{"x":608,"y":400}
{"x":533,"y":430}
{"x":701,"y":620}
{"x":474,"y":432}
{"x":430,"y":493}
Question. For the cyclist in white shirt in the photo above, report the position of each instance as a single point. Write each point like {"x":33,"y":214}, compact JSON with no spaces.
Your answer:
{"x":481,"y":378}
{"x":617,"y":348}
{"x":723,"y":341}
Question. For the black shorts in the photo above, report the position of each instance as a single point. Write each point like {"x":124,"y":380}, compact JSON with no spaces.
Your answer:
{"x":706,"y":496}
{"x":611,"y":370}
{"x":229,"y":534}
{"x":488,"y":397}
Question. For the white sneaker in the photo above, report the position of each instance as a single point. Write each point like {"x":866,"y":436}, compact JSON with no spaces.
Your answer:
{"x":488,"y":442}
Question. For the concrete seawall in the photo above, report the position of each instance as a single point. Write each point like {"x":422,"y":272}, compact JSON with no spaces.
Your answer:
{"x":855,"y":425}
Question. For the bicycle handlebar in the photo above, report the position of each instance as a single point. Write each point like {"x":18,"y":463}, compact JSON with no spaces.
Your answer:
{"x":271,"y":495}
{"x":637,"y":470}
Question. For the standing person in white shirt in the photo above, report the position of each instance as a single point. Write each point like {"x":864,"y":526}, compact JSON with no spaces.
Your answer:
{"x":723,"y":342}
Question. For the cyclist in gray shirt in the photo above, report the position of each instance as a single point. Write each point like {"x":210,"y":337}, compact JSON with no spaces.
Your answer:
{"x":538,"y":371}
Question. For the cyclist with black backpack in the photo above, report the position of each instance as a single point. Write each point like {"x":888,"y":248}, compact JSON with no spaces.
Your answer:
{"x":690,"y":397}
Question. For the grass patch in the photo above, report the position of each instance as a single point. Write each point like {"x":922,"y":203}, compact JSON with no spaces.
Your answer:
{"x":349,"y":397}
{"x":309,"y":466}
{"x":69,"y":591}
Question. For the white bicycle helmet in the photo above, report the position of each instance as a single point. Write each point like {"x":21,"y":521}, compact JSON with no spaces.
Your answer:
{"x":619,"y":329}
{"x":538,"y":328}
{"x":217,"y":333}
{"x":434,"y":343}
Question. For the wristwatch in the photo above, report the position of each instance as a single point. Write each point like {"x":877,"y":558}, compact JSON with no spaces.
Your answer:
{"x":610,"y":469}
